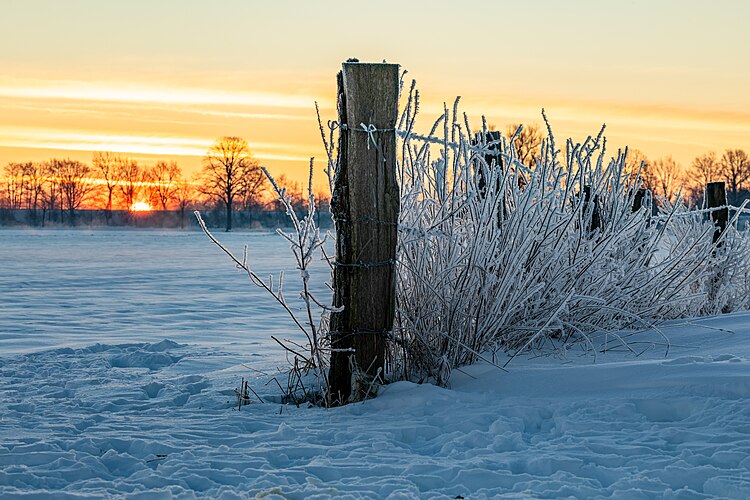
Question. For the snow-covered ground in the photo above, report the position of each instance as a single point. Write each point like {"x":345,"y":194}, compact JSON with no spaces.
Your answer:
{"x":120,"y":350}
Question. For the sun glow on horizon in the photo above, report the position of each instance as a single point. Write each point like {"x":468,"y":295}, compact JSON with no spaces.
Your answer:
{"x":141,"y":206}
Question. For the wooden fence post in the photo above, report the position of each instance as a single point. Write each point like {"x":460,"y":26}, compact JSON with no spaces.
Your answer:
{"x":494,"y":159}
{"x":365,"y":207}
{"x":638,"y":199}
{"x":596,"y":220}
{"x":716,"y":196}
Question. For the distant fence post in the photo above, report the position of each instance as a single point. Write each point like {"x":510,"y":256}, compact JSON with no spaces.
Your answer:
{"x":716,"y":196}
{"x":638,"y":199}
{"x":596,"y":219}
{"x":493,"y":158}
{"x":365,"y":207}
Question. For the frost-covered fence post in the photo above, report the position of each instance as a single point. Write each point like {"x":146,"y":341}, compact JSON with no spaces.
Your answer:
{"x":716,"y":196}
{"x":365,"y":207}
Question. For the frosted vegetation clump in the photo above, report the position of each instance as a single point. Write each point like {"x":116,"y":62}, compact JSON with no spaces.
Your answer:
{"x":495,"y":256}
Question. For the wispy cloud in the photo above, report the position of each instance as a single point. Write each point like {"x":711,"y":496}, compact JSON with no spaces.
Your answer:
{"x":636,"y":115}
{"x":128,"y":93}
{"x":37,"y":138}
{"x":135,"y":110}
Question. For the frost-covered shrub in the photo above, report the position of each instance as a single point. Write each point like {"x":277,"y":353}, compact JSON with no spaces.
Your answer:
{"x":505,"y":257}
{"x":494,"y":255}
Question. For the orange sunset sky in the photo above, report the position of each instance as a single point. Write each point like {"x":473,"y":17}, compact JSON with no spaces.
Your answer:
{"x":163,"y":79}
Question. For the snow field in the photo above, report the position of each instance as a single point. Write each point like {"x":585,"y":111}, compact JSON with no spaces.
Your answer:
{"x":121,"y":411}
{"x":62,"y":287}
{"x":136,"y":418}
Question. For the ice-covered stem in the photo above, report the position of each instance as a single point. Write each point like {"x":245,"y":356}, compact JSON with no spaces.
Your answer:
{"x":304,"y":244}
{"x":329,"y":145}
{"x":254,"y":278}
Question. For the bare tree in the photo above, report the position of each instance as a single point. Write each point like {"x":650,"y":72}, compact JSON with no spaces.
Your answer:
{"x":106,"y":165}
{"x":184,"y":195}
{"x":735,"y":168}
{"x":253,"y":198}
{"x":131,"y":180}
{"x":230,"y":173}
{"x":527,"y":142}
{"x":293,"y":189}
{"x":35,"y":175}
{"x":323,"y":200}
{"x":668,"y":177}
{"x":4,"y":188}
{"x":636,"y":163}
{"x":703,"y":169}
{"x":76,"y":184}
{"x":23,"y":186}
{"x":164,"y":177}
{"x":52,"y":198}
{"x":15,"y":185}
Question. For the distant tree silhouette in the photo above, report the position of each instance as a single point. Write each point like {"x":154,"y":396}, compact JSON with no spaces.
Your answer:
{"x":184,"y":196}
{"x":130,"y":179}
{"x":106,"y":165}
{"x":323,"y":200}
{"x":164,"y":177}
{"x":76,"y":184}
{"x":52,"y":197}
{"x":703,"y":169}
{"x":636,"y":163}
{"x":527,"y":143}
{"x":668,"y":177}
{"x":230,"y":174}
{"x":14,"y":186}
{"x":735,"y":168}
{"x":293,"y":190}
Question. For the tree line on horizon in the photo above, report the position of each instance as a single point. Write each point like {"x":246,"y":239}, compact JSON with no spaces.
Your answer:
{"x":664,"y":176}
{"x":232,"y":181}
{"x":58,"y":189}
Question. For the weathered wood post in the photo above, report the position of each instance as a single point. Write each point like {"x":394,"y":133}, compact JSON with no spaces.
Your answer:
{"x":365,"y":207}
{"x":716,"y":196}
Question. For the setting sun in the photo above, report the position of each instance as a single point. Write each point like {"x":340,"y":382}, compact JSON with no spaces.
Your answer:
{"x":140,"y":206}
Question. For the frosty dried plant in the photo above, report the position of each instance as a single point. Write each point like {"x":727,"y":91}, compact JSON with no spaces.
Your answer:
{"x":306,"y":243}
{"x":494,"y":256}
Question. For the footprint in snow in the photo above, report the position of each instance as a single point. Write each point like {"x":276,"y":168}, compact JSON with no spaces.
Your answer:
{"x":152,"y":389}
